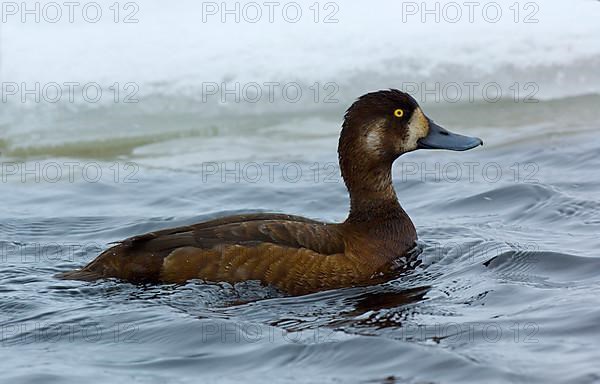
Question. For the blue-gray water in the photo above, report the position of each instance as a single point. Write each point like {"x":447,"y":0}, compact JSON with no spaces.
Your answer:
{"x":508,"y":290}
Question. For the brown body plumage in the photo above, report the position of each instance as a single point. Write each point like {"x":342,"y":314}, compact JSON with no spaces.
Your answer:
{"x":292,"y":253}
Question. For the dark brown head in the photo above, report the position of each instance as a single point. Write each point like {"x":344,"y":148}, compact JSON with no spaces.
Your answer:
{"x":382,"y":125}
{"x":379,"y":127}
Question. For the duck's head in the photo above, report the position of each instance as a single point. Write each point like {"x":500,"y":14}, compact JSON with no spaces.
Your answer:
{"x":382,"y":125}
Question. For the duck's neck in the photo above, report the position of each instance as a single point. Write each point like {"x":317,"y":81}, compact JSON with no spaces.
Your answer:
{"x":372,"y":194}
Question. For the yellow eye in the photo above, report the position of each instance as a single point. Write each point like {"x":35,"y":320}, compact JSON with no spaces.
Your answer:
{"x":398,"y":113}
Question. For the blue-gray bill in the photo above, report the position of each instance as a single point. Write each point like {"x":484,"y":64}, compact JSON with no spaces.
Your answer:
{"x":440,"y":138}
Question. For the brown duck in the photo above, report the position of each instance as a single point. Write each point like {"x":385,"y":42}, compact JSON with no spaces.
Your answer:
{"x":296,"y":254}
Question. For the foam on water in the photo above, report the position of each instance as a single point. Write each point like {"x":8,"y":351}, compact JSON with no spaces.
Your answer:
{"x":170,"y":53}
{"x":172,"y":50}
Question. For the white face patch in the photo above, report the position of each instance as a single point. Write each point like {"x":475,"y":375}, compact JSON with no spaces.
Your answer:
{"x":418,"y":128}
{"x":374,"y":139}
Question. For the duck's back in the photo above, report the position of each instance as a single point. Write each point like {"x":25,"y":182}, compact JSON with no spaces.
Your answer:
{"x":295,"y":254}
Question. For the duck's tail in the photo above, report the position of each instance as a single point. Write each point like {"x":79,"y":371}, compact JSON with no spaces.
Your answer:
{"x":79,"y":274}
{"x":121,"y":262}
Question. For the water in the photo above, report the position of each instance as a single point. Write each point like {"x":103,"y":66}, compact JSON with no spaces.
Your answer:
{"x":508,"y":289}
{"x":507,"y":292}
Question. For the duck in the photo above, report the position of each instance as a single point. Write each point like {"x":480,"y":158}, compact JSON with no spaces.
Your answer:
{"x":294,"y":254}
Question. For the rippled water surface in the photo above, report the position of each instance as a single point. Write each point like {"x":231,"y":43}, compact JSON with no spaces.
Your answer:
{"x":508,"y":290}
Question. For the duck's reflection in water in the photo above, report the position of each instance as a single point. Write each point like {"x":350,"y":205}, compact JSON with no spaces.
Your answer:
{"x":385,"y":308}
